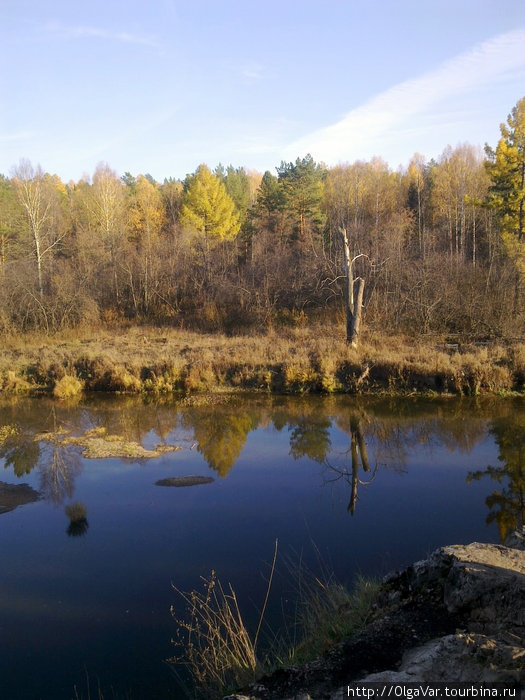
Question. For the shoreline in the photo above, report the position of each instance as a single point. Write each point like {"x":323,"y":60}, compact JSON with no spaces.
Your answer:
{"x":456,"y":616}
{"x":314,"y":360}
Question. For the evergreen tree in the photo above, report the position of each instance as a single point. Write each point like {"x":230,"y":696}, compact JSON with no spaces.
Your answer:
{"x":506,"y":167}
{"x":302,"y":184}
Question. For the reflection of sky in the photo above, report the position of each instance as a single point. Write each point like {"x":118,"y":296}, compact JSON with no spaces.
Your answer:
{"x":93,"y":601}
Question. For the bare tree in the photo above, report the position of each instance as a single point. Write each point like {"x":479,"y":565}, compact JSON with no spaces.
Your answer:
{"x":353,"y":303}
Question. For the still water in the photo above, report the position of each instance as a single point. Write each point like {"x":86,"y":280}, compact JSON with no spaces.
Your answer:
{"x":367,"y":486}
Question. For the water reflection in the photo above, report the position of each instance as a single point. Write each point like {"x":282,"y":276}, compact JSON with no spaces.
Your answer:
{"x":77,"y":514}
{"x":380,"y":434}
{"x":220,"y":434}
{"x":310,"y":437}
{"x":59,"y":466}
{"x":19,"y":451}
{"x":14,"y":495}
{"x":507,"y":504}
{"x":353,"y":426}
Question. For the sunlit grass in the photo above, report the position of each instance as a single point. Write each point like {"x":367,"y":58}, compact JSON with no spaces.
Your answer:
{"x":302,"y":359}
{"x":222,"y":655}
{"x":215,"y":643}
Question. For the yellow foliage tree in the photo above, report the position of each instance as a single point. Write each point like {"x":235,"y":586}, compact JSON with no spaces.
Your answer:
{"x":146,"y":218}
{"x":207,"y":209}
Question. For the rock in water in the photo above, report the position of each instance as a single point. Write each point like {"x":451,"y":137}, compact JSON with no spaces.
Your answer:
{"x":184,"y":481}
{"x":14,"y":495}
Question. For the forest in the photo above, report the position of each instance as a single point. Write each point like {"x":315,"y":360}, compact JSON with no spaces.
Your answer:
{"x":439,"y":244}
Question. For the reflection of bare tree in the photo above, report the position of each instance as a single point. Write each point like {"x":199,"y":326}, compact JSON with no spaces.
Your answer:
{"x":358,"y":453}
{"x":59,"y":465}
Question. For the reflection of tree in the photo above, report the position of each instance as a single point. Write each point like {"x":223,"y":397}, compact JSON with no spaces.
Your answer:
{"x":358,"y":453}
{"x":310,"y":437}
{"x":221,"y":434}
{"x":20,"y":452}
{"x":59,"y":465}
{"x":132,"y":418}
{"x":507,"y":505}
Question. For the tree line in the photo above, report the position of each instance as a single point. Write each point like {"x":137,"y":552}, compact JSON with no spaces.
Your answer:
{"x":440,"y":244}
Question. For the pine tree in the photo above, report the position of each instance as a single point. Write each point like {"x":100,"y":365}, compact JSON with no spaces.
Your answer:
{"x":302,"y":184}
{"x":506,"y":167}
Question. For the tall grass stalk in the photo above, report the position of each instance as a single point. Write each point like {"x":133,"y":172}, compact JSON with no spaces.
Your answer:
{"x":220,"y":653}
{"x":217,"y":647}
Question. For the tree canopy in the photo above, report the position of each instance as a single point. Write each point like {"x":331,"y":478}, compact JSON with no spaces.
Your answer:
{"x":506,"y":167}
{"x":207,"y":208}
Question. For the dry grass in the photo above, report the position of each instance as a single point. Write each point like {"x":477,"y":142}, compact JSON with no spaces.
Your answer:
{"x":293,"y":360}
{"x":327,"y":614}
{"x":216,"y":645}
{"x":76,"y":512}
{"x":221,"y":654}
{"x":67,"y":387}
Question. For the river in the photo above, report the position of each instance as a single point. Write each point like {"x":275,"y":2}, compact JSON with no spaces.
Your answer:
{"x":345,"y":485}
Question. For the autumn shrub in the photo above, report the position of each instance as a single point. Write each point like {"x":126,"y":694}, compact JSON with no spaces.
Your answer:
{"x":298,"y":376}
{"x":198,"y":377}
{"x":76,"y":511}
{"x":120,"y":378}
{"x":162,"y":379}
{"x":67,"y":387}
{"x":516,"y":355}
{"x":12,"y":383}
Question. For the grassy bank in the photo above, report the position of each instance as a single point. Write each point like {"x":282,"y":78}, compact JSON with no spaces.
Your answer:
{"x":222,"y":655}
{"x":293,"y":360}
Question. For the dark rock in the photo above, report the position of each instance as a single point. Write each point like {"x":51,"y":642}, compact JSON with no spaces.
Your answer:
{"x":184,"y":481}
{"x":14,"y":495}
{"x":457,"y":616}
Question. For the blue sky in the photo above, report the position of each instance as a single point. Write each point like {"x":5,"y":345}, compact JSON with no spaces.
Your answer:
{"x":164,"y":85}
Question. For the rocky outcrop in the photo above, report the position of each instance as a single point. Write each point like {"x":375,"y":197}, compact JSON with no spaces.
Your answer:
{"x":457,"y":616}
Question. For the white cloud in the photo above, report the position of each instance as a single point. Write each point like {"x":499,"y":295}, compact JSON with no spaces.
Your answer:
{"x":252,"y":71}
{"x":395,"y":111}
{"x":85,"y":31}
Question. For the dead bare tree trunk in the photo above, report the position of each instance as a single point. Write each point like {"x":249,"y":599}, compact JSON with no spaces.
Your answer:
{"x":353,"y":305}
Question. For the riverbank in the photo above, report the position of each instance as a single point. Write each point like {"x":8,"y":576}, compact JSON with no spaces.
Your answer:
{"x":457,"y":616}
{"x":312,"y":359}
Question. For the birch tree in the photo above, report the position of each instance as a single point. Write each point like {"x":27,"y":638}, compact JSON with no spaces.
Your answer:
{"x":37,"y":197}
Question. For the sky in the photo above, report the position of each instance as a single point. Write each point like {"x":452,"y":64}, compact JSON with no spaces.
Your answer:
{"x":159,"y":87}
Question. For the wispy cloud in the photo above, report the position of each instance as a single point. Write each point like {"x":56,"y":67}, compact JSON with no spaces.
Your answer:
{"x":396,"y":109}
{"x":252,"y":71}
{"x":63,"y":31}
{"x":16,"y":136}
